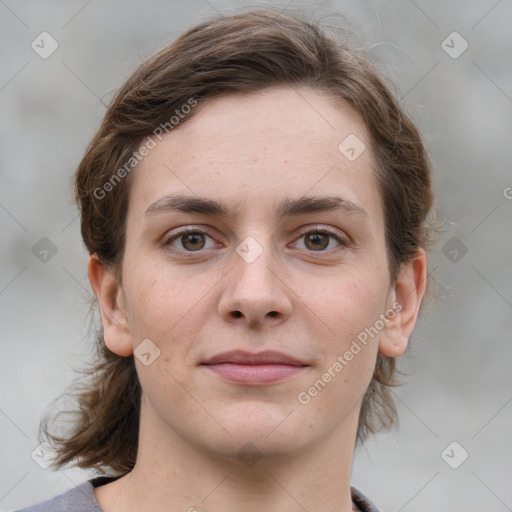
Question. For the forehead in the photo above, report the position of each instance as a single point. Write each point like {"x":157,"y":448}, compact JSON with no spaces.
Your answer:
{"x":262,"y":147}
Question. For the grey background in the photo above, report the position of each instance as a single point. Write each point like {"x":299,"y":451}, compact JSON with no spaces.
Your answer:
{"x":460,"y":360}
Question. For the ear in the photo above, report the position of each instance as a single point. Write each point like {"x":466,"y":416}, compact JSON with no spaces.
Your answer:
{"x":405,"y":301}
{"x":116,"y":330}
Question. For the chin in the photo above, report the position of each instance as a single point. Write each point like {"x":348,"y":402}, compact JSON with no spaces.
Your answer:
{"x":266,"y":429}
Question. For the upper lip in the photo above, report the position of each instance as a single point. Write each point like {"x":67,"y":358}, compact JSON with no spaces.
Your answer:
{"x":243,"y":357}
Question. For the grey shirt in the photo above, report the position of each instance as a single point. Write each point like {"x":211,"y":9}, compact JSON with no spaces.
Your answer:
{"x":82,"y":499}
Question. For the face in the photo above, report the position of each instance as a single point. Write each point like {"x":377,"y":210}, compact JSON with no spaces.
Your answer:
{"x":255,"y":275}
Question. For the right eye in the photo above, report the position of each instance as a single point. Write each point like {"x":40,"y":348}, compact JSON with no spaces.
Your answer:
{"x":190,"y":240}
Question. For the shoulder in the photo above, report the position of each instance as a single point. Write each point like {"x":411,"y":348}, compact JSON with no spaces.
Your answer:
{"x":78,"y":499}
{"x":362,"y":502}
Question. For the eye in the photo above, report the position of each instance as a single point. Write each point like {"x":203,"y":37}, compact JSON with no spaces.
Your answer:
{"x":319,"y":239}
{"x":190,"y":240}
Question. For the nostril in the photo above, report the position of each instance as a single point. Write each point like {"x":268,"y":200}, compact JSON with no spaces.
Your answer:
{"x":238,"y":314}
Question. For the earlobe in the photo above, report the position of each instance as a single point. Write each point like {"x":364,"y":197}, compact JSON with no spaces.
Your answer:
{"x":116,"y":330}
{"x":406,"y":297}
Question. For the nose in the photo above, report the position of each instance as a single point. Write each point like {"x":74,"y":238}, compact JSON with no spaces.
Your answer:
{"x":255,"y":292}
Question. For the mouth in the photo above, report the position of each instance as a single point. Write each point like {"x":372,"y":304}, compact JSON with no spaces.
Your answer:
{"x":254,"y":369}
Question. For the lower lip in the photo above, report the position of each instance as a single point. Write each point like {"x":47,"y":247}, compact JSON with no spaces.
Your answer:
{"x":254,"y":373}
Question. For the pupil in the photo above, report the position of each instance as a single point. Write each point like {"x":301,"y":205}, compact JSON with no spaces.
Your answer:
{"x":194,"y":238}
{"x":318,"y":240}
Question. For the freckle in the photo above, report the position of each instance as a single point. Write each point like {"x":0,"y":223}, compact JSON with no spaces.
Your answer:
{"x":286,"y":161}
{"x":166,"y":359}
{"x":255,"y":159}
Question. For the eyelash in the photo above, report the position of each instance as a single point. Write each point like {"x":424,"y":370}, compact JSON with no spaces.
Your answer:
{"x":343,"y":243}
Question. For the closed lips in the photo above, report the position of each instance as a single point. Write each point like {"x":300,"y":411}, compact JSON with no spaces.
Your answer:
{"x":244,"y":368}
{"x":262,"y":358}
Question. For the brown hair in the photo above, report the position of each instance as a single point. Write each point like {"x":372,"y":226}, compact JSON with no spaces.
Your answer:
{"x":235,"y":54}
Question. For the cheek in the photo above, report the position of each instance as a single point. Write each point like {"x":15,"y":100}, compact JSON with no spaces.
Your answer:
{"x":350,"y":301}
{"x":349,"y":349}
{"x":348,"y":309}
{"x":166,"y":304}
{"x":146,"y":301}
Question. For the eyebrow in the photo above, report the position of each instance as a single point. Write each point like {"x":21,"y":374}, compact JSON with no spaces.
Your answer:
{"x":287,"y":208}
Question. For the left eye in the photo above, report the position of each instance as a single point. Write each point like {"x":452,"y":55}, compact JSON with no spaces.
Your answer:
{"x":319,"y":240}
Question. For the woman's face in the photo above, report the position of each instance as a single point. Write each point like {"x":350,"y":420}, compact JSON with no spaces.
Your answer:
{"x":296,"y":264}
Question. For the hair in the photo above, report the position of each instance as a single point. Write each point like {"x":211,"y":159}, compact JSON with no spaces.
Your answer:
{"x":242,"y":53}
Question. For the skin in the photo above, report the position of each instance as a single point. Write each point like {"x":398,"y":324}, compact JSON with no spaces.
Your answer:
{"x":252,"y":151}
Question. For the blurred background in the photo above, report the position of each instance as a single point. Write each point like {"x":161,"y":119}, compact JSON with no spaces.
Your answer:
{"x":61,"y":62}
